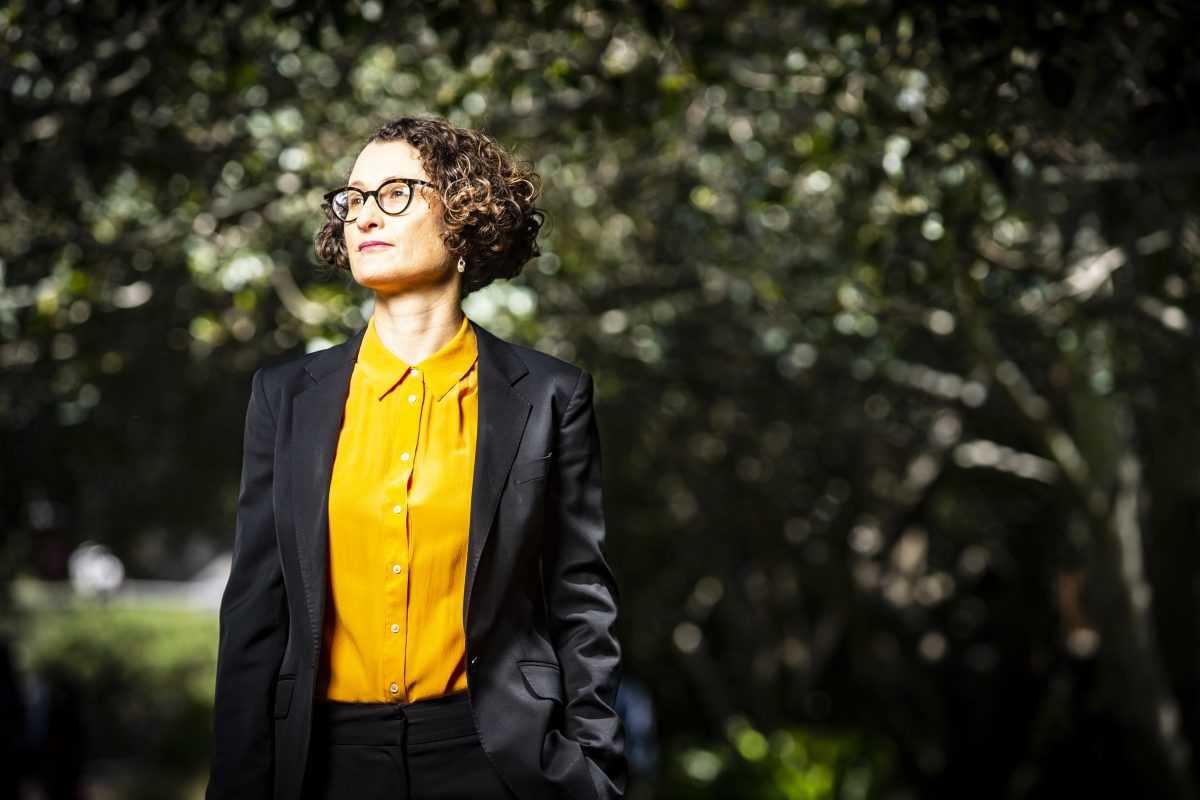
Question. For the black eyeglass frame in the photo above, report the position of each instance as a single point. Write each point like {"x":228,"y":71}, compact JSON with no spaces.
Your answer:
{"x":412,"y":183}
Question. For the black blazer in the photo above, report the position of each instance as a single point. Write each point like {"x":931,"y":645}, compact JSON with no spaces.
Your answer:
{"x":540,"y":600}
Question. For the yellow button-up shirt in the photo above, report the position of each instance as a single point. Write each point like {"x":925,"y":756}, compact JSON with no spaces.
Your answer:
{"x":399,"y":510}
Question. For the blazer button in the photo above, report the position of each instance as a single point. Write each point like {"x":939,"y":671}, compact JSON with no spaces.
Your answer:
{"x":474,"y":663}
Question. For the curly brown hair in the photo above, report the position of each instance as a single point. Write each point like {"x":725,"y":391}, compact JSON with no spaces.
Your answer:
{"x":487,"y":200}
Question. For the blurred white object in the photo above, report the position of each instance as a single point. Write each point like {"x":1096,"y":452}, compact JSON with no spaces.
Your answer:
{"x":94,"y":570}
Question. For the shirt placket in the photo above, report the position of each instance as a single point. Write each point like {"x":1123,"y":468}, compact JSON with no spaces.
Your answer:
{"x":407,"y":400}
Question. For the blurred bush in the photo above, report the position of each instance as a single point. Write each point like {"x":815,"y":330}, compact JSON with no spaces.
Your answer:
{"x":141,"y":678}
{"x":788,"y":764}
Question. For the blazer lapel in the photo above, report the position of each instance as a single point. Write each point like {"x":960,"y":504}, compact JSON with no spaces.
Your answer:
{"x":317,"y":421}
{"x":503,"y":413}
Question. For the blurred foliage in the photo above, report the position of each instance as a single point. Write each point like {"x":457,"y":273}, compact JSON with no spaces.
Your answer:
{"x":892,"y":309}
{"x":785,"y":765}
{"x":140,"y":680}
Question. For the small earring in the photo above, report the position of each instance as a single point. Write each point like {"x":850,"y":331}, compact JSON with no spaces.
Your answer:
{"x":462,"y":264}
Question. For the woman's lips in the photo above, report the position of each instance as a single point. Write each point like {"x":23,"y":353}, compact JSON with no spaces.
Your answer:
{"x":372,"y":245}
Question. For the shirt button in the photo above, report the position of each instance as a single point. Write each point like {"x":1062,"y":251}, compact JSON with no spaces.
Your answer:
{"x":396,"y":509}
{"x":396,"y":568}
{"x":404,"y":456}
{"x":414,"y":372}
{"x":412,"y":398}
{"x":395,"y":628}
{"x":394,"y":688}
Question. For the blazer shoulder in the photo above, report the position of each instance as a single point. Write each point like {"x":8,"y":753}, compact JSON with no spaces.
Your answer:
{"x":286,"y":372}
{"x":548,"y":367}
{"x":299,"y":372}
{"x":523,"y":364}
{"x":275,"y":384}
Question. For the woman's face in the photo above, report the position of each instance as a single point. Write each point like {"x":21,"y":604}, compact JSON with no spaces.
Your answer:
{"x":393,"y":254}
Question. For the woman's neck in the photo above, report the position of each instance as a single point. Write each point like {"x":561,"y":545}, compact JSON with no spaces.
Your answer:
{"x":415,"y":326}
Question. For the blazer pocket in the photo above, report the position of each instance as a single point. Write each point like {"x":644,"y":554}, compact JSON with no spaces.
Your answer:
{"x":283,"y":697}
{"x":543,"y":680}
{"x":531,"y":470}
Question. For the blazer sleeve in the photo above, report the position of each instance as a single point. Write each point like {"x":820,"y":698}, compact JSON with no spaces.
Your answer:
{"x":253,"y":624}
{"x":581,"y":594}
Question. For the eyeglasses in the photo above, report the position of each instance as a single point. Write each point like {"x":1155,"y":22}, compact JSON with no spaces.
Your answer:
{"x":393,"y":197}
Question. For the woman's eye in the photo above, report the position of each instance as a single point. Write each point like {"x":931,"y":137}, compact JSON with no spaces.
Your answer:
{"x":354,"y":200}
{"x":398,"y":192}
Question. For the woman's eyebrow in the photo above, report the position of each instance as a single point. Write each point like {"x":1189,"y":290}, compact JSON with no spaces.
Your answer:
{"x":358,"y":183}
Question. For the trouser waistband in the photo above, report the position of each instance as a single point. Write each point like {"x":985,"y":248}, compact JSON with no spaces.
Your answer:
{"x":420,"y":722}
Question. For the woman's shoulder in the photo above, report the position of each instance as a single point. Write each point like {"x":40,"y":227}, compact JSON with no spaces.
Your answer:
{"x":515,"y":358}
{"x":301,"y":370}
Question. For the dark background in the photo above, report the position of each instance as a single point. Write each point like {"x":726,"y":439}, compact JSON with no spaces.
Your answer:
{"x":891,"y":307}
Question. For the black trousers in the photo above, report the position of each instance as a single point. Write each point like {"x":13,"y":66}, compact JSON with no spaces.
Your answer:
{"x":428,"y":750}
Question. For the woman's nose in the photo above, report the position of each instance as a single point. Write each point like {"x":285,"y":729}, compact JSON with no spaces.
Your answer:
{"x":369,"y":216}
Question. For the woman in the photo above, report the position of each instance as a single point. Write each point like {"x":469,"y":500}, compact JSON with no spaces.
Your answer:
{"x":419,"y":604}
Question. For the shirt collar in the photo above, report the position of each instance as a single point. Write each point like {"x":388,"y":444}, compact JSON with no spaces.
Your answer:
{"x":441,"y":371}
